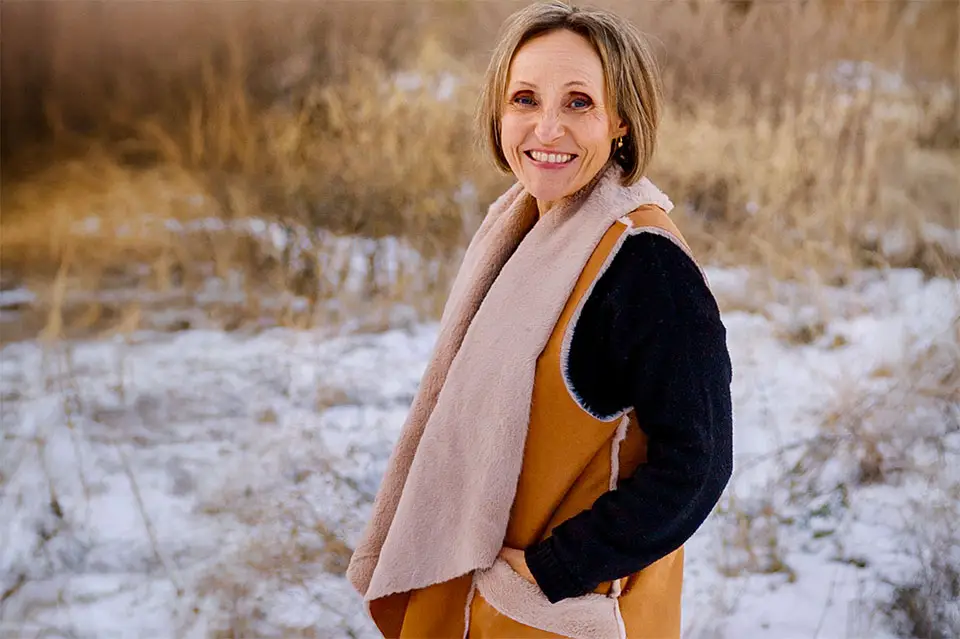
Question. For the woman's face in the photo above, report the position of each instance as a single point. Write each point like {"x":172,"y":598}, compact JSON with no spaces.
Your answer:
{"x":556,"y":131}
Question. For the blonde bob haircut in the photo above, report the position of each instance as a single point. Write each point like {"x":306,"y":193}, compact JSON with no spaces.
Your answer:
{"x":630,"y":73}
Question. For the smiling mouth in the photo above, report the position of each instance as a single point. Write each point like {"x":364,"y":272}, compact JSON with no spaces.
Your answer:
{"x":550,"y":158}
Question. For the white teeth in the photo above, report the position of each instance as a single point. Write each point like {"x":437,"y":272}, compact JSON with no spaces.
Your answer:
{"x":551,"y":158}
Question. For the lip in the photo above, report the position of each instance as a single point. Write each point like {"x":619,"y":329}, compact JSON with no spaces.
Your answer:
{"x":549,"y":165}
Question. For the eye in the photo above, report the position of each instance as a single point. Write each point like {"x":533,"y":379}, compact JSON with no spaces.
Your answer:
{"x":524,"y":99}
{"x":580,"y":102}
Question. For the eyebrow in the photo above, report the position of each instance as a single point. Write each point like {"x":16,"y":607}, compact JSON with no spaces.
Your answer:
{"x":572,"y":83}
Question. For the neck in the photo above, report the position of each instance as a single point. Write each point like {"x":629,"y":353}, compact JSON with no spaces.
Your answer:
{"x":543,"y":207}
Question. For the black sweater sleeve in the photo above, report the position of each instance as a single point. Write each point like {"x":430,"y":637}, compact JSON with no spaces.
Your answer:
{"x":650,"y":336}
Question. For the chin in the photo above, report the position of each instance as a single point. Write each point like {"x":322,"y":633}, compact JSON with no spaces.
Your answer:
{"x":549,"y":193}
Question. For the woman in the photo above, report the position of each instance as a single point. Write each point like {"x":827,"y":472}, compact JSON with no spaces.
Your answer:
{"x":573,"y":427}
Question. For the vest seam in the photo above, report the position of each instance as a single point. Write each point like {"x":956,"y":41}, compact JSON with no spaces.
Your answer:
{"x":621,"y":626}
{"x":466,"y":614}
{"x":619,"y":436}
{"x":656,"y":230}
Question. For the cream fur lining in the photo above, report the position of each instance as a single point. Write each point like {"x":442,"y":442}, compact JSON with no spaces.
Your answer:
{"x":592,"y":616}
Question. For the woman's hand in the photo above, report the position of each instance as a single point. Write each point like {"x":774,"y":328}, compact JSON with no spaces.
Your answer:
{"x":518,"y":562}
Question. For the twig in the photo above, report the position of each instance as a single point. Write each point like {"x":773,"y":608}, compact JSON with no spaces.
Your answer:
{"x":828,"y":603}
{"x":68,"y":412}
{"x":14,"y":589}
{"x":148,"y":524}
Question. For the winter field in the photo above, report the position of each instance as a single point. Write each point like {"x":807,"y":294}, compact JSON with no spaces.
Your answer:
{"x":204,"y":483}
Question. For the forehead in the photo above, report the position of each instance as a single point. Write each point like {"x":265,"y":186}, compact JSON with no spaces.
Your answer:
{"x":557,"y":57}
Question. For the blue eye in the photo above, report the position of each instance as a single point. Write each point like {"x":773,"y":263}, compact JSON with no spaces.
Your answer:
{"x":523,"y":100}
{"x":580,"y":103}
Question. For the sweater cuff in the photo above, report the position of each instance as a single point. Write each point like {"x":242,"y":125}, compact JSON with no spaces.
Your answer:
{"x":556,"y":582}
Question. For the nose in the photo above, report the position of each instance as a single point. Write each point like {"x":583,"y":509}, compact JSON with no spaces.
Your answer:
{"x":549,"y":129}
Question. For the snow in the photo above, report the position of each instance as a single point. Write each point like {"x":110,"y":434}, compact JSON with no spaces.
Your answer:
{"x":893,"y":100}
{"x":349,"y":270}
{"x":948,"y":240}
{"x":16,"y":297}
{"x":863,"y":76}
{"x":443,"y":88}
{"x":181,"y":485}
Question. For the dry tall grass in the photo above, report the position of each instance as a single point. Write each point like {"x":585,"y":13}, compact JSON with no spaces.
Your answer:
{"x":119,"y":118}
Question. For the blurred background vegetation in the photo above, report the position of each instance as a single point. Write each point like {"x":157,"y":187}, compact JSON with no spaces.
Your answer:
{"x":240,"y":164}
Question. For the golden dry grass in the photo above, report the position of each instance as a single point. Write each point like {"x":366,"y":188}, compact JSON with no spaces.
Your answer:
{"x":355,"y":118}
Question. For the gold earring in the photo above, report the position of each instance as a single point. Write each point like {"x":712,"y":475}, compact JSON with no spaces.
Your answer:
{"x":620,"y":142}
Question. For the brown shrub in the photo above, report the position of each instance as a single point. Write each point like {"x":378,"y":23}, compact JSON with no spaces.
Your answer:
{"x":334,"y":116}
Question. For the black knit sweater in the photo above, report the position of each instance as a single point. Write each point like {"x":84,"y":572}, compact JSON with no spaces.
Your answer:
{"x":649,"y":336}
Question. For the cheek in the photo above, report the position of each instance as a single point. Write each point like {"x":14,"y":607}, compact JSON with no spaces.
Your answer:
{"x":511,"y":136}
{"x":595,"y":133}
{"x":509,"y":130}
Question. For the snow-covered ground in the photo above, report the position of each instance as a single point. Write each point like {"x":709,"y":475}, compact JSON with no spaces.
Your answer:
{"x":209,"y":484}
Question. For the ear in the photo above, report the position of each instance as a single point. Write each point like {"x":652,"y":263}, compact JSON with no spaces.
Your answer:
{"x":622,"y":129}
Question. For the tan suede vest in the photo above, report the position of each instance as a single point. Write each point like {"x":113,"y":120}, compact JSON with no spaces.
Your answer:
{"x":570,"y":458}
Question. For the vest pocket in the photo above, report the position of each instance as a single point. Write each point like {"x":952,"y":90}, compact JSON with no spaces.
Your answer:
{"x":591,"y":616}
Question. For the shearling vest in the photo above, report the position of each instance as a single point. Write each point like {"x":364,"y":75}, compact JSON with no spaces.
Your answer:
{"x":570,"y":459}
